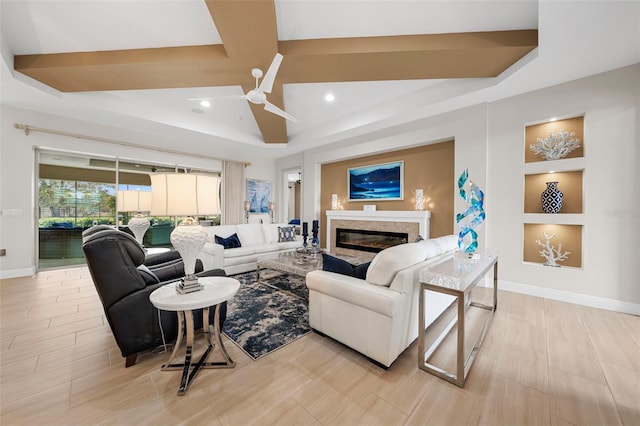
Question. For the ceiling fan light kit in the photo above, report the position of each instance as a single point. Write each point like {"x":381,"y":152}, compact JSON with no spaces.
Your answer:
{"x":258,"y":95}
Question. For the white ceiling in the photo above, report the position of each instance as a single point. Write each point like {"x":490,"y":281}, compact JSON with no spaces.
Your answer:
{"x":576,"y":39}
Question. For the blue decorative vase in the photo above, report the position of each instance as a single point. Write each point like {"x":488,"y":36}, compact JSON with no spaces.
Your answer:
{"x":551,"y":198}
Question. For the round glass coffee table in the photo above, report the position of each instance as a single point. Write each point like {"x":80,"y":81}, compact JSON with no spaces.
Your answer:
{"x":216,"y":290}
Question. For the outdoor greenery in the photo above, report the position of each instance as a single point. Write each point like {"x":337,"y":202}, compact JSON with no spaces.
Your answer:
{"x":66,"y":203}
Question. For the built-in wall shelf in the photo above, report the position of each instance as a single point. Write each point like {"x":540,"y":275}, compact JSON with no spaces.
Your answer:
{"x":545,"y":218}
{"x":543,"y":130}
{"x":565,"y":237}
{"x":551,"y":166}
{"x":569,"y":182}
{"x":564,"y":228}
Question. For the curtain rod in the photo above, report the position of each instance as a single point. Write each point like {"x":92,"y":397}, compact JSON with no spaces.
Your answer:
{"x":26,"y":128}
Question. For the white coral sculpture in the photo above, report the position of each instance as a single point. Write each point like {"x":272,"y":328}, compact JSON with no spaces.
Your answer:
{"x":552,"y":254}
{"x":556,"y":145}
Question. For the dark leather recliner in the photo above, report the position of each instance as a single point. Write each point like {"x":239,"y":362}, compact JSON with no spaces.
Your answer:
{"x":124,"y":279}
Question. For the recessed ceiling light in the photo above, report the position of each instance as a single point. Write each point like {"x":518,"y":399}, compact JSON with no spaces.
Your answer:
{"x":205,"y":104}
{"x":329,"y":97}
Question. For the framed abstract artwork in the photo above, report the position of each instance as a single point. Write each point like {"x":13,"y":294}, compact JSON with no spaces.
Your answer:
{"x":381,"y":182}
{"x":258,"y":195}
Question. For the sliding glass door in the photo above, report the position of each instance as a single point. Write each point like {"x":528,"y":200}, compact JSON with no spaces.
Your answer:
{"x":71,"y":198}
{"x":78,"y":191}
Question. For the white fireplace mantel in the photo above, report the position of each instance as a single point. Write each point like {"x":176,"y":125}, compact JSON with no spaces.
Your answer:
{"x":410,"y":216}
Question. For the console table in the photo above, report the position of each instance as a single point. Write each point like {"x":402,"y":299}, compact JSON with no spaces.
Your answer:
{"x":215,"y":291}
{"x":457,"y":276}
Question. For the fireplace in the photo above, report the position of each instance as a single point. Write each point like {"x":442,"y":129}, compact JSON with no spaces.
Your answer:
{"x":412,"y":222}
{"x":369,"y":240}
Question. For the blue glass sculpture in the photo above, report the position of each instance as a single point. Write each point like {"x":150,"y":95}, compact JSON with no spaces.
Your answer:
{"x":470,"y":220}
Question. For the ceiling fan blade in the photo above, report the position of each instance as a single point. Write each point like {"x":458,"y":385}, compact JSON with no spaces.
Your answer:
{"x":267,"y":82}
{"x":274,"y":109}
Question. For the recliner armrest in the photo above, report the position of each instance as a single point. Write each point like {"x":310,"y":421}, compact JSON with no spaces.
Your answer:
{"x":159,"y":258}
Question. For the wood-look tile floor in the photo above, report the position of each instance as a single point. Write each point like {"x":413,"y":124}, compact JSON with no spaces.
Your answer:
{"x":542,"y":362}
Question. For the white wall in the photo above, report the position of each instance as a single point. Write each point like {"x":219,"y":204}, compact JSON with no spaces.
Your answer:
{"x":489,"y":142}
{"x":610,"y":265}
{"x":17,"y":160}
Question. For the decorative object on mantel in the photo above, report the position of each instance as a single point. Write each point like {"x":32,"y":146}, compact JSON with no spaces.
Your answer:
{"x":334,"y":201}
{"x":556,"y":145}
{"x":369,"y":207}
{"x":419,"y":199}
{"x":551,"y":198}
{"x":550,"y":253}
{"x":470,"y":220}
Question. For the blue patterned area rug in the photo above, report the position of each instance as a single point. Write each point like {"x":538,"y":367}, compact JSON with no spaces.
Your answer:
{"x":265,"y":316}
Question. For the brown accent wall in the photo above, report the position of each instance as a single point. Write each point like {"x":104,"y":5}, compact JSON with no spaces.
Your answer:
{"x":430,"y":167}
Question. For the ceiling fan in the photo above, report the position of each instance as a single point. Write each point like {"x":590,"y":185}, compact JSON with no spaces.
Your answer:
{"x":258,"y":95}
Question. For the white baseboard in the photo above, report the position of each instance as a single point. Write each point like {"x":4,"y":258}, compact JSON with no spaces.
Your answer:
{"x":565,"y":296}
{"x":15,"y":273}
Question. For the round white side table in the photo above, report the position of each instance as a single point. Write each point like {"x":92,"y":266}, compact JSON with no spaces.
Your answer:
{"x":216,"y":290}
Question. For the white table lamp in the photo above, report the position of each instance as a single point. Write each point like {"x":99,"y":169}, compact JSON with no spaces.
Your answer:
{"x":189,"y":195}
{"x":135,"y":201}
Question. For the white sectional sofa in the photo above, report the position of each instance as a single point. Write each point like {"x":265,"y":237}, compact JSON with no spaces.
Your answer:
{"x":378,"y":317}
{"x":255,"y":240}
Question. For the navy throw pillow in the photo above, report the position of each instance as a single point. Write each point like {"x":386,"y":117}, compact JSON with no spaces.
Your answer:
{"x":231,"y":241}
{"x":339,"y":266}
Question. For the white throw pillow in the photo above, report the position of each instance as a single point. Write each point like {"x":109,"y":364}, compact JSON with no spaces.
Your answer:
{"x":389,"y":261}
{"x":270,"y":232}
{"x":250,"y":234}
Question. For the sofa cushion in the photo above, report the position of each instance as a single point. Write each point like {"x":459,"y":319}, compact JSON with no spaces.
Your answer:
{"x":270,"y":231}
{"x":429,"y":248}
{"x":389,"y":261}
{"x":286,"y":233}
{"x":219,"y":230}
{"x":334,"y":264}
{"x":239,"y":252}
{"x":230,"y":242}
{"x":251,"y":234}
{"x":447,"y":243}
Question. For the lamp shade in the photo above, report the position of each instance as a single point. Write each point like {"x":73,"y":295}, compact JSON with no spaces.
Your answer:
{"x":176,"y":194}
{"x":134,"y":201}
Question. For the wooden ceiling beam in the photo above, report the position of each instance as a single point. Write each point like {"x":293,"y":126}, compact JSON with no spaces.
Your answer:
{"x":459,"y":55}
{"x":250,"y":40}
{"x":170,"y":67}
{"x":249,"y":33}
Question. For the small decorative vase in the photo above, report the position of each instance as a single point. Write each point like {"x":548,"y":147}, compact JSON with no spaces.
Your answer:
{"x":551,"y":198}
